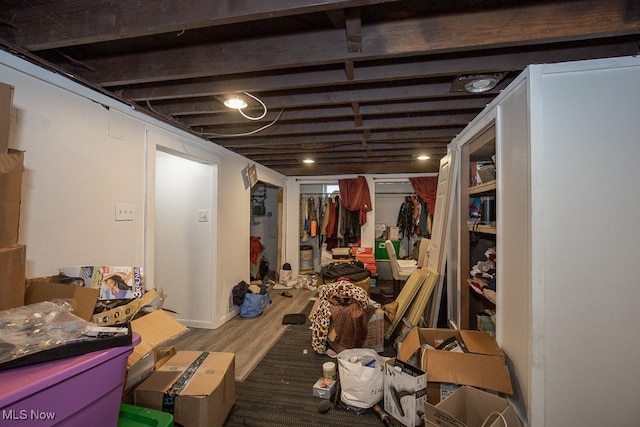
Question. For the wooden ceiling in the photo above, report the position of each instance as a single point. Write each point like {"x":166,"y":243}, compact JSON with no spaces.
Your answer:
{"x":359,"y":86}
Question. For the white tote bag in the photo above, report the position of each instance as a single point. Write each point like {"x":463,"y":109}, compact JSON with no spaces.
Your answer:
{"x":361,"y":373}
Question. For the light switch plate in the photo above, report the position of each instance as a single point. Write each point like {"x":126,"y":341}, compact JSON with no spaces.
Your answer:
{"x":124,"y":212}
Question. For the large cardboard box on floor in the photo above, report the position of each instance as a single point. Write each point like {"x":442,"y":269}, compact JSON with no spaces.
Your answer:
{"x":483,"y":364}
{"x":12,"y":271}
{"x":47,"y":289}
{"x":468,"y":407}
{"x":205,"y":388}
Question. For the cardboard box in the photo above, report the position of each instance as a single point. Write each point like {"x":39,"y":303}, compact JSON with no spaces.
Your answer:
{"x":11,"y":167}
{"x":46,"y":289}
{"x":208,"y":393}
{"x":12,"y":270}
{"x":142,"y":369}
{"x":124,"y":313}
{"x":155,"y":329}
{"x":394,"y":233}
{"x":6,"y":103}
{"x":472,"y":407}
{"x":482,"y":366}
{"x":404,"y":392}
{"x":324,"y":388}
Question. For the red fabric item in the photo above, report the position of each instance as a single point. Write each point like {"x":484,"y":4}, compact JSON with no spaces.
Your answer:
{"x":354,"y":194}
{"x":426,"y":187}
{"x":255,"y":249}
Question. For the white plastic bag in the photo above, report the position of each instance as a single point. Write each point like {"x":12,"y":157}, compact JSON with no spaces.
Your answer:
{"x":361,"y":373}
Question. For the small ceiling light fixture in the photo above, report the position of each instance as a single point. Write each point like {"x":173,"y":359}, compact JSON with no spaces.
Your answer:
{"x":235,"y":103}
{"x":308,"y":161}
{"x":477,"y":83}
{"x":423,"y":157}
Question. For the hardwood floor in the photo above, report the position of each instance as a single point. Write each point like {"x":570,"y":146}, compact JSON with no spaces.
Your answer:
{"x":249,"y":339}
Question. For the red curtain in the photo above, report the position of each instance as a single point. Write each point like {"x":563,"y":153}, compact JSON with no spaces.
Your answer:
{"x":426,"y":187}
{"x":354,"y":194}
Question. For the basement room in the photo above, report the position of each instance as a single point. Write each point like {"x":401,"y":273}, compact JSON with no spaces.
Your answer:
{"x":319,"y":213}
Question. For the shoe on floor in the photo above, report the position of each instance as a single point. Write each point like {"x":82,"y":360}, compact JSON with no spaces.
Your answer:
{"x":286,"y":294}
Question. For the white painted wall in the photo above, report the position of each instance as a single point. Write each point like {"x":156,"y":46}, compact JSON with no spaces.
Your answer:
{"x":85,"y":152}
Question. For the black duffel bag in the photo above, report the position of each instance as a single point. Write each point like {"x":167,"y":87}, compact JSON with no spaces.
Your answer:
{"x":354,"y":270}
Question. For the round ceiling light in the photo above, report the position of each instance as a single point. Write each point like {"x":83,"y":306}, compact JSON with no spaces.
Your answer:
{"x":482,"y":84}
{"x":423,"y":157}
{"x":308,"y":161}
{"x":235,"y":103}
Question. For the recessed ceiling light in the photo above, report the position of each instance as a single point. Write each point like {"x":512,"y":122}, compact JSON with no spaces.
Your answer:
{"x":482,"y":84}
{"x":423,"y":157}
{"x":308,"y":161}
{"x":235,"y":103}
{"x":477,"y":83}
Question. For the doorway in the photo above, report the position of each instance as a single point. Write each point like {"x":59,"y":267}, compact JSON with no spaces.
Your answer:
{"x":184,"y":226}
{"x":266,"y":231}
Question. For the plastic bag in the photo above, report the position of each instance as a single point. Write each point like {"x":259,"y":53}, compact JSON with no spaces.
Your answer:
{"x":361,"y":377}
{"x":253,"y":304}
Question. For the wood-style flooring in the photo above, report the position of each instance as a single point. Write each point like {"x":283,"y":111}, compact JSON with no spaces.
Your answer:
{"x":249,"y":339}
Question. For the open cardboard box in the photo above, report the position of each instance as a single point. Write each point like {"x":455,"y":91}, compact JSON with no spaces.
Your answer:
{"x":46,"y":289}
{"x":483,"y":366}
{"x":208,"y":393}
{"x":468,"y":407}
{"x":155,"y":329}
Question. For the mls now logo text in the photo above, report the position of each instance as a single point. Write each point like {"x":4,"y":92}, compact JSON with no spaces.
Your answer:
{"x":23,"y":414}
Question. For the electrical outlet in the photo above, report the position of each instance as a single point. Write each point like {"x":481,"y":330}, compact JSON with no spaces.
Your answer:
{"x":203,"y":215}
{"x":124,"y":212}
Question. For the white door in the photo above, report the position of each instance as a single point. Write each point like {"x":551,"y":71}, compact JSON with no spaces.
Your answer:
{"x":183,"y":229}
{"x":441,"y":221}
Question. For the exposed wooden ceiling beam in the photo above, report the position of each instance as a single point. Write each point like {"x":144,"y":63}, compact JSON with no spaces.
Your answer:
{"x":474,"y":30}
{"x":443,"y":136}
{"x":421,"y":107}
{"x":325,"y":99}
{"x":341,"y":126}
{"x":429,"y":67}
{"x":78,"y":22}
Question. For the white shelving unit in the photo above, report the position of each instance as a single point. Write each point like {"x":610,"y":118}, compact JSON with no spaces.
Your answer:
{"x":567,"y":142}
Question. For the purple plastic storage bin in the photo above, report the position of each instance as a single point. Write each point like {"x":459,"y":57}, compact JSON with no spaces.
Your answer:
{"x":77,"y":391}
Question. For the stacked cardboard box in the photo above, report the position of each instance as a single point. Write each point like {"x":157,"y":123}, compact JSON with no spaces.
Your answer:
{"x":12,"y":255}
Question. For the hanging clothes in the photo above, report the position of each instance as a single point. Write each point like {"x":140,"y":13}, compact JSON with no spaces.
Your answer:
{"x":255,"y":249}
{"x":406,"y":223}
{"x":312,"y":214}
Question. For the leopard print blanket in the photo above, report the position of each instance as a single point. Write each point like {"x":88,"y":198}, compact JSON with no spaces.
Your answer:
{"x":321,"y":317}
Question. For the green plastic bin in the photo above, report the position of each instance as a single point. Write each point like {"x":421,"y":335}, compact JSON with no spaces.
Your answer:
{"x":135,"y":416}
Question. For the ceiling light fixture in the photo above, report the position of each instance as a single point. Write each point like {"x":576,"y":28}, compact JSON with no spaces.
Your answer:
{"x":235,"y":103}
{"x":308,"y":161}
{"x":476,"y":83}
{"x":423,"y":157}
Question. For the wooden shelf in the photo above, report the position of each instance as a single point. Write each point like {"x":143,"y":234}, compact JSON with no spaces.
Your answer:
{"x":486,"y":187}
{"x":483,"y":228}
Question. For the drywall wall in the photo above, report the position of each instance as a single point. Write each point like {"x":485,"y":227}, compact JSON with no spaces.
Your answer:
{"x":85,"y":153}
